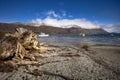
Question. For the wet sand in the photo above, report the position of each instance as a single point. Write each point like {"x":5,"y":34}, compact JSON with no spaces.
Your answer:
{"x":100,"y":62}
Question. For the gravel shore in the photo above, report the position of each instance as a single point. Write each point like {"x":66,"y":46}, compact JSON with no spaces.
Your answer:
{"x":71,"y":63}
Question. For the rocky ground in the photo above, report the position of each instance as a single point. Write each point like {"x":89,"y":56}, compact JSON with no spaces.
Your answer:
{"x":70,"y":63}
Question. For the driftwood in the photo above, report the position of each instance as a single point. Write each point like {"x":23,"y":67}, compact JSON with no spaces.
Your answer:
{"x":19,"y":46}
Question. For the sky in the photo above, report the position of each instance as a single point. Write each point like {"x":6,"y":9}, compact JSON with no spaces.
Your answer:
{"x":61,"y":13}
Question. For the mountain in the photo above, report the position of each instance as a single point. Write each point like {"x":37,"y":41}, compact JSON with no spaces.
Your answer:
{"x":10,"y":27}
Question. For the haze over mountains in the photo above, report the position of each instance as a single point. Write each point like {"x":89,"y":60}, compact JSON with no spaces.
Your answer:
{"x":73,"y":29}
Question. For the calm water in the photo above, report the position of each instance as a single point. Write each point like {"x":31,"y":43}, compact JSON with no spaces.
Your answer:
{"x":113,"y":39}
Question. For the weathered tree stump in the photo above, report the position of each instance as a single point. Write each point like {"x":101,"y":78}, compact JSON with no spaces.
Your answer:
{"x":18,"y":46}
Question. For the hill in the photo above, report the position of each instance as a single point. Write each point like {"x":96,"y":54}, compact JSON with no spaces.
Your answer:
{"x":10,"y":27}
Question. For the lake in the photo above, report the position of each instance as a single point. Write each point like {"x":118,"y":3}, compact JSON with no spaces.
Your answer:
{"x":73,"y":39}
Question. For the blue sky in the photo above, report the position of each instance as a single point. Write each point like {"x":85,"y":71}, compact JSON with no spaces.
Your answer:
{"x":101,"y":12}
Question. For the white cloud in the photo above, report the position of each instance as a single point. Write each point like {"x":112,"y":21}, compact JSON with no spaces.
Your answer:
{"x":37,"y":22}
{"x":83,"y":23}
{"x":52,"y":13}
{"x":112,"y":27}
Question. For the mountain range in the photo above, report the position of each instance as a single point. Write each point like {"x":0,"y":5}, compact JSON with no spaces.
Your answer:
{"x":73,"y":29}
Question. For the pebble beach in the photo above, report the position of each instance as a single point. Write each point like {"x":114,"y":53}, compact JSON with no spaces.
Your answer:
{"x":99,"y":62}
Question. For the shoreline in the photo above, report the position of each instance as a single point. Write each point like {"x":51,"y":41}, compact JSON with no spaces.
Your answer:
{"x":72,"y":63}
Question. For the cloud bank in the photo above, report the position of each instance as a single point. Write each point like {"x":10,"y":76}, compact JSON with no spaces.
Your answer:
{"x":64,"y":23}
{"x":57,"y":20}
